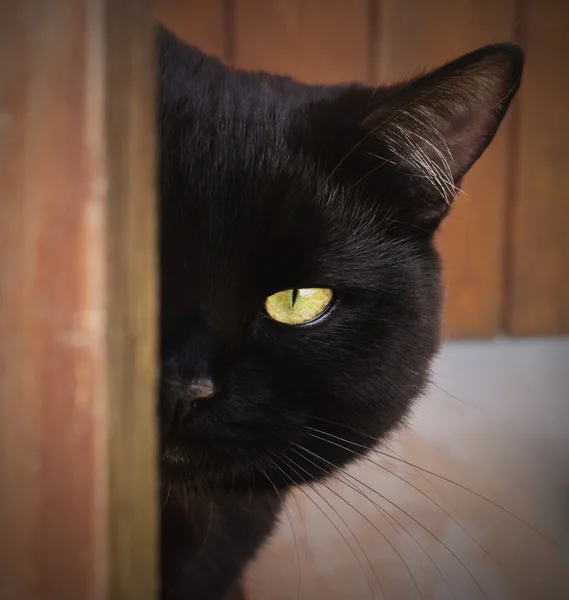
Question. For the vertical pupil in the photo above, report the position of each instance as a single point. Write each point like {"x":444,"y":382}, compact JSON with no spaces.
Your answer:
{"x":294,"y":296}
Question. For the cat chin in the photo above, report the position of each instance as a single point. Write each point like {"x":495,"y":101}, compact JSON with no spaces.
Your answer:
{"x":185,"y":469}
{"x":177,"y":463}
{"x":184,"y":475}
{"x":180,"y":485}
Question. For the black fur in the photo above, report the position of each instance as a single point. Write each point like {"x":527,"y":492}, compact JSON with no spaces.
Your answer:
{"x":268,"y":184}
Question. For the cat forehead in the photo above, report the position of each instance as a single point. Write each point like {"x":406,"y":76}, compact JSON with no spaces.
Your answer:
{"x":260,"y":181}
{"x":229,"y":240}
{"x":242,"y":187}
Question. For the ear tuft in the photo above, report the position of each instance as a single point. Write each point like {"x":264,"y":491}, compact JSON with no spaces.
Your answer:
{"x":436,"y":126}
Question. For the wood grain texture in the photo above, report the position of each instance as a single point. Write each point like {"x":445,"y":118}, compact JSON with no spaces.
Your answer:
{"x":412,"y":36}
{"x":318,"y":41}
{"x":539,"y":244}
{"x":132,"y":269}
{"x":203,"y":23}
{"x":77,"y":297}
{"x":52,"y":413}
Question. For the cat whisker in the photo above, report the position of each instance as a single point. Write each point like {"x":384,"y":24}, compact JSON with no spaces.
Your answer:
{"x":481,"y":497}
{"x":423,"y":478}
{"x":313,"y":488}
{"x":168,"y":494}
{"x":290,"y":522}
{"x":303,"y":479}
{"x":470,"y":404}
{"x":289,"y":461}
{"x":432,"y":500}
{"x":369,"y":173}
{"x":348,"y":154}
{"x":432,"y":473}
{"x":335,"y":423}
{"x":211,"y":507}
{"x":456,"y":522}
{"x":439,"y":506}
{"x":407,"y":514}
{"x":364,"y":517}
{"x":249,"y":474}
{"x":385,"y":514}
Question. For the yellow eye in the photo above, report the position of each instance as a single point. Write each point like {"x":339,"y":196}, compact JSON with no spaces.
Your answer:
{"x":299,"y":305}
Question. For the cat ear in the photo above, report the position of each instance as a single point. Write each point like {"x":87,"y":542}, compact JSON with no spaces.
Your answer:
{"x":436,"y":126}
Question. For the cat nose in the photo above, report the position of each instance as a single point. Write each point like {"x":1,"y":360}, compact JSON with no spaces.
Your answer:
{"x":198,"y":391}
{"x":179,"y":399}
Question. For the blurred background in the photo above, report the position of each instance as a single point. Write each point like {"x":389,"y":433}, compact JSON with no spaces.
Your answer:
{"x":496,"y":420}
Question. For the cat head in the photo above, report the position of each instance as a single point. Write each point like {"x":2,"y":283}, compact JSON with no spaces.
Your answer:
{"x":300,"y":286}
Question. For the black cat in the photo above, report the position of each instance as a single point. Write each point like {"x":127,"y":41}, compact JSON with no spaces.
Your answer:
{"x":300,"y":287}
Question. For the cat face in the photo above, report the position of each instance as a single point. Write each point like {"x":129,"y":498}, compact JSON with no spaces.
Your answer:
{"x":323,"y":200}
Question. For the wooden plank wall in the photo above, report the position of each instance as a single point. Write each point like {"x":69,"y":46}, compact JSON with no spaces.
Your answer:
{"x":131,"y":290}
{"x":506,"y":245}
{"x":78,"y":505}
{"x":538,"y":247}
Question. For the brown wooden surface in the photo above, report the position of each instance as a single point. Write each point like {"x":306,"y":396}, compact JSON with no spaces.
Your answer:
{"x":313,"y":40}
{"x":412,"y":36}
{"x":538,"y":300}
{"x":207,"y":23}
{"x":132,"y":300}
{"x":77,"y":280}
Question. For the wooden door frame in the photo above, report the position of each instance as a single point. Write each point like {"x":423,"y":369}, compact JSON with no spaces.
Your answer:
{"x":78,"y":301}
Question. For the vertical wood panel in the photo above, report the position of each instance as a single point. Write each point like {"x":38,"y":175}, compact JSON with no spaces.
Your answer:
{"x":72,"y":191}
{"x":203,"y":23}
{"x":319,"y":41}
{"x":413,"y":35}
{"x":131,"y":294}
{"x":539,"y":249}
{"x":52,"y":473}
